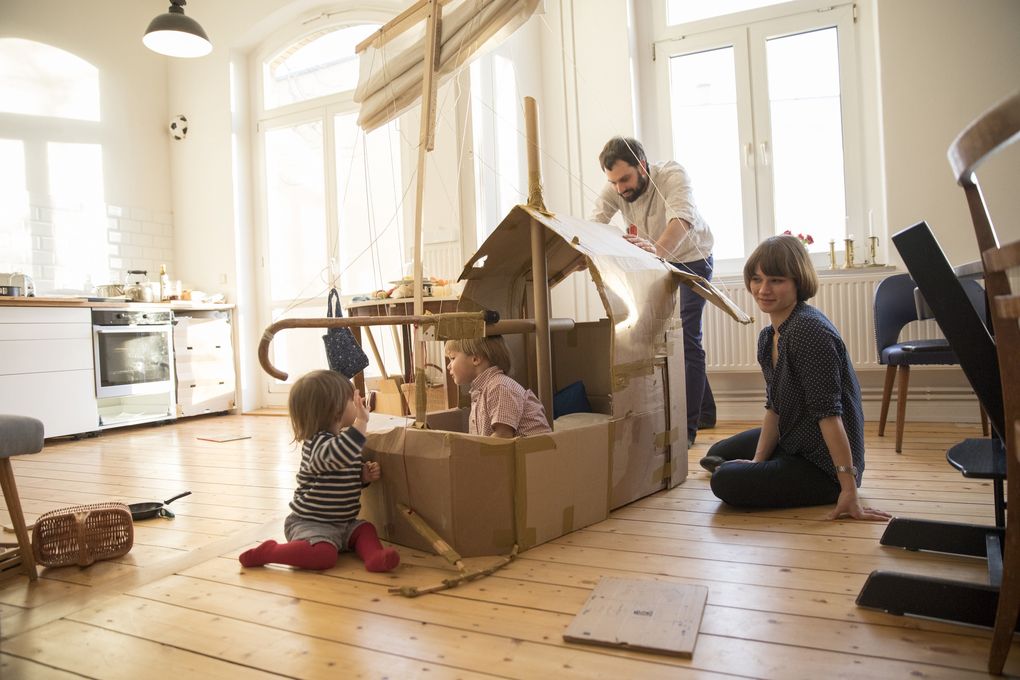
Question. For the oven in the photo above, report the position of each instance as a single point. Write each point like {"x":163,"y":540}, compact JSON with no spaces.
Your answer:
{"x":133,"y":352}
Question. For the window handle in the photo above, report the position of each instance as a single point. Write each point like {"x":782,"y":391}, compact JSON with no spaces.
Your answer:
{"x":748,"y":155}
{"x":764,"y":148}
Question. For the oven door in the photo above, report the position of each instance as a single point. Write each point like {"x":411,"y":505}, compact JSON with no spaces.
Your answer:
{"x":133,"y":360}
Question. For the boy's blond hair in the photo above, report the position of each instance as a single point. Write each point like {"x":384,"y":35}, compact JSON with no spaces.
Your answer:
{"x":316,"y":401}
{"x":493,"y":349}
{"x":784,"y":255}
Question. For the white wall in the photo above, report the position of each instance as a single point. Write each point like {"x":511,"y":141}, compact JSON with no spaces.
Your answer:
{"x":943,"y":62}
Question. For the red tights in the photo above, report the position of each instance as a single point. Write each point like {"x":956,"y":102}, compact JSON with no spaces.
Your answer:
{"x":305,"y":555}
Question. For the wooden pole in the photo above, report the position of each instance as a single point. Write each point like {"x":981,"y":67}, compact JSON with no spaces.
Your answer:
{"x":539,"y":265}
{"x":426,"y":142}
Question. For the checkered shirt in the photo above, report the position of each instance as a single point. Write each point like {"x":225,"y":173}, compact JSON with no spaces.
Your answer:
{"x":498,"y":398}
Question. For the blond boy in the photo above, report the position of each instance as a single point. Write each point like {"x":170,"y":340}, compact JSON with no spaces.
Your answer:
{"x":500,"y":407}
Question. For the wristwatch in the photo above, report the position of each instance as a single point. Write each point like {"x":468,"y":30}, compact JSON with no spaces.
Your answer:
{"x":846,"y":468}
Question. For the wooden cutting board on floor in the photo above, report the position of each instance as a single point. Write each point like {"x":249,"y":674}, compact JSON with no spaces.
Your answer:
{"x":654,"y":616}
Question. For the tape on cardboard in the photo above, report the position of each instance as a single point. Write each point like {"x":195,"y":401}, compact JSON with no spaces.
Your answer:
{"x":611,"y":448}
{"x":664,"y":439}
{"x":622,"y":373}
{"x":664,"y":349}
{"x":486,"y":449}
{"x":453,"y":327}
{"x":661,"y":473}
{"x":535,"y":443}
{"x":521,"y":500}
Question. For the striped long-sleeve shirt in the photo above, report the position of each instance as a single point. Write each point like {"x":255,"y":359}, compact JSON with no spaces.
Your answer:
{"x":329,"y":479}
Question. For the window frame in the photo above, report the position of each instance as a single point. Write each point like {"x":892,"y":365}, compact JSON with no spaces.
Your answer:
{"x":747,"y":32}
{"x":323,"y":109}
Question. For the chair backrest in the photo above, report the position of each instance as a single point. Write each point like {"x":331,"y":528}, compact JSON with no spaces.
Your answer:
{"x":957,"y":317}
{"x":896,"y":306}
{"x":894,"y":309}
{"x":992,"y":131}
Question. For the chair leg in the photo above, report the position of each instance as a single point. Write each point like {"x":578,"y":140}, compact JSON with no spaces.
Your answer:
{"x":890,"y":377}
{"x":10,"y":490}
{"x":984,"y":420}
{"x":1008,"y":608}
{"x":901,"y":405}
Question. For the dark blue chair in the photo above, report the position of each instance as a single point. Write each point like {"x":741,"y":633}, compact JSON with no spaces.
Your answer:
{"x":895,"y":307}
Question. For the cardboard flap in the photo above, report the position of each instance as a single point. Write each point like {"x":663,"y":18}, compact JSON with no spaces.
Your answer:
{"x":712,"y":294}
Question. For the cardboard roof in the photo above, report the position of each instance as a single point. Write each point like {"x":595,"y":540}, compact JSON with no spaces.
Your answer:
{"x":629,"y":279}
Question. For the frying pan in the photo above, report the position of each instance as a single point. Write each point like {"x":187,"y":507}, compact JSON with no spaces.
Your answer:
{"x":149,"y":510}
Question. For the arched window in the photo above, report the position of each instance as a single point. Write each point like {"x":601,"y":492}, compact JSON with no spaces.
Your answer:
{"x":318,"y":65}
{"x":331,"y":205}
{"x":41,"y":80}
{"x":53,"y":219}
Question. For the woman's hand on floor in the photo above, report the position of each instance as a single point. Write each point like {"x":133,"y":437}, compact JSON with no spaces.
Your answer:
{"x":849,"y":505}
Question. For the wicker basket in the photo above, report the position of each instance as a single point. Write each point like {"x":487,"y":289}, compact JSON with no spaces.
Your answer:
{"x":82,"y":534}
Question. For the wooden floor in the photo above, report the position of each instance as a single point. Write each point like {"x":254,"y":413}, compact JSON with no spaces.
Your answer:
{"x":781,"y":584}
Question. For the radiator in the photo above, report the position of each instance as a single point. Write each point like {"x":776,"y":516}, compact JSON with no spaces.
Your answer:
{"x":442,"y":260}
{"x":848,"y":300}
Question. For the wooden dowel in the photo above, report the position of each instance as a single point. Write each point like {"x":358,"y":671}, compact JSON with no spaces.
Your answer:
{"x":512,"y":326}
{"x":539,"y":265}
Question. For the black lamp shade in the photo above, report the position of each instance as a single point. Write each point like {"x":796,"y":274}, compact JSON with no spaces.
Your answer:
{"x":176,"y":35}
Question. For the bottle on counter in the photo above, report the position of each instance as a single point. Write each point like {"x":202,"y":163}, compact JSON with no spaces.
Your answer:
{"x":164,"y":284}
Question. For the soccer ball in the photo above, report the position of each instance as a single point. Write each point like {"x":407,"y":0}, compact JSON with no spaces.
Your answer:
{"x":179,"y":127}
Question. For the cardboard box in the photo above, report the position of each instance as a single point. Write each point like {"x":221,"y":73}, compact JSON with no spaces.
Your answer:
{"x":483,"y":495}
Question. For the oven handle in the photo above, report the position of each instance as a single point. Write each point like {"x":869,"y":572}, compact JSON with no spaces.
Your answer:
{"x":134,"y":328}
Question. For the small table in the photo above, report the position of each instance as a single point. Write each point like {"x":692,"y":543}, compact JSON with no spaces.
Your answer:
{"x":405,"y":307}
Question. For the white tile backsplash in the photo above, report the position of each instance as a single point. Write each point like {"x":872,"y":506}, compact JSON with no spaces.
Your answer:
{"x":136,"y":238}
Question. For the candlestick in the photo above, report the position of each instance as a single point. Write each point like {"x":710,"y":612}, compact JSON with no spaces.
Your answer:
{"x":873,"y":251}
{"x":832,"y":253}
{"x":849,"y":254}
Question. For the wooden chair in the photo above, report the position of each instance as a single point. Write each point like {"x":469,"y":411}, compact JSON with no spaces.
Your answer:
{"x":19,"y":435}
{"x":995,"y":129}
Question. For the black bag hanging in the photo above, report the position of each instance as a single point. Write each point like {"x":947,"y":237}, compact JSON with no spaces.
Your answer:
{"x":343,"y":352}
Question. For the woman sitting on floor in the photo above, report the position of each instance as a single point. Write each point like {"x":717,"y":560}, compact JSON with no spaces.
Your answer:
{"x":810,"y":447}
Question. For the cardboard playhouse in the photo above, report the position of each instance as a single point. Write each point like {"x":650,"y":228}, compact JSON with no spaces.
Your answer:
{"x":485,"y":495}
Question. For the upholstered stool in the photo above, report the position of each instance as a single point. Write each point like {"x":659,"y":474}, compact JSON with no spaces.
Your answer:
{"x":18,"y":435}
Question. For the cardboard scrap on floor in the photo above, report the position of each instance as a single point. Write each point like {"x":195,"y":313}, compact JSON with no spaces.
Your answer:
{"x":225,"y":438}
{"x":654,"y":616}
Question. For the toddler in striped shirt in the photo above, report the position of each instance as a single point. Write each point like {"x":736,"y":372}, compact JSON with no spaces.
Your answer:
{"x":329,"y":418}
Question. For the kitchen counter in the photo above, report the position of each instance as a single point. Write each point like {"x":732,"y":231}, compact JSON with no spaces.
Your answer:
{"x":69,"y":301}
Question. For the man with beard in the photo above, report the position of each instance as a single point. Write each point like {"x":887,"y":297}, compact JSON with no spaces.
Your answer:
{"x":657,"y":203}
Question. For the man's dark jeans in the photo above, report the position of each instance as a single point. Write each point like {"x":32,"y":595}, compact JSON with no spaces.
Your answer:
{"x":692,"y":308}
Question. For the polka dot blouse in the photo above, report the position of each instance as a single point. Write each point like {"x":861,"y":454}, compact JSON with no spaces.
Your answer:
{"x":813,"y":379}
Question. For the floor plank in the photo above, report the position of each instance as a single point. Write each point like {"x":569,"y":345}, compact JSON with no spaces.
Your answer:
{"x":781,"y":583}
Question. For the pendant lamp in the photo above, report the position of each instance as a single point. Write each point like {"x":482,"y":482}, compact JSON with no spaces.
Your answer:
{"x":176,"y":35}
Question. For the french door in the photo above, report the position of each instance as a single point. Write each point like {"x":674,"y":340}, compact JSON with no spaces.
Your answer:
{"x":765,"y":119}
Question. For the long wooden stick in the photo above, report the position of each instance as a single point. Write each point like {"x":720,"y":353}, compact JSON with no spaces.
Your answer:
{"x":397,"y":380}
{"x":426,"y":142}
{"x":440,"y":546}
{"x":348,"y":322}
{"x":539,"y":265}
{"x":447,"y":583}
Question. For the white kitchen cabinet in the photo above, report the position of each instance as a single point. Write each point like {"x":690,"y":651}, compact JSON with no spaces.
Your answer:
{"x":204,"y":359}
{"x":46,"y":367}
